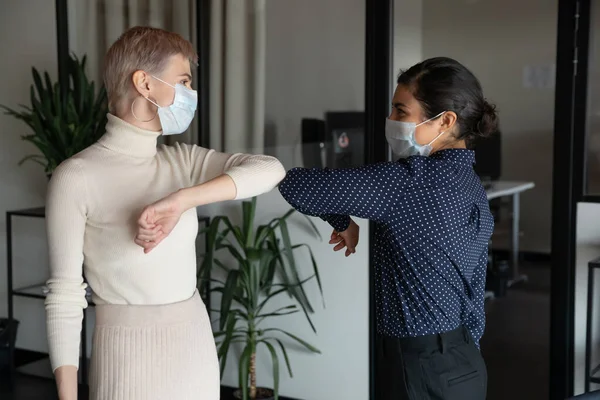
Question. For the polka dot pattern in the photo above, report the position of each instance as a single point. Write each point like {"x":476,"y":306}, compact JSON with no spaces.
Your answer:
{"x":432,"y":229}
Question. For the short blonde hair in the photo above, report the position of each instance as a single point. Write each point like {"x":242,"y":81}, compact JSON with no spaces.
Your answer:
{"x":140,"y":48}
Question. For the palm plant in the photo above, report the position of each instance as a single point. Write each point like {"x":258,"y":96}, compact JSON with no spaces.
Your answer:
{"x":63,"y":124}
{"x":264,"y":256}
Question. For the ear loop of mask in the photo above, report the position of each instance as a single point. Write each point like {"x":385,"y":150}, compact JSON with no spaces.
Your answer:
{"x":431,"y":119}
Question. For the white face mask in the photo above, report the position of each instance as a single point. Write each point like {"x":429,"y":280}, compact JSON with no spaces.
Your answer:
{"x":177,"y":117}
{"x":401,"y":138}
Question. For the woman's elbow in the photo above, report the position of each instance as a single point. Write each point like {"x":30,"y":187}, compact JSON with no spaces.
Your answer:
{"x":279,"y":170}
{"x":289,"y":187}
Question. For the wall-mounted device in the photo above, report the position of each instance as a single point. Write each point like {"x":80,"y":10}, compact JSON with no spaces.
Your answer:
{"x":346,"y":133}
{"x":338,"y":141}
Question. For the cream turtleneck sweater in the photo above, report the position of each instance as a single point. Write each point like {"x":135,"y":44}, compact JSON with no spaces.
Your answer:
{"x":94,"y":200}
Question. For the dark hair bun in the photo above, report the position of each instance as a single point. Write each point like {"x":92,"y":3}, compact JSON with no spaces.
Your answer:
{"x":488,"y":124}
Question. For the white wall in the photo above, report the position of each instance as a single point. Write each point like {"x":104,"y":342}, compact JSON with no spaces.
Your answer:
{"x":588,"y":248}
{"x":407,"y":34}
{"x":496,"y":43}
{"x":593,"y":144}
{"x":27,"y":38}
{"x":315,"y":63}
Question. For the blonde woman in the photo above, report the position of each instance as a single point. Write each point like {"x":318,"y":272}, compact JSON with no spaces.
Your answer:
{"x":152,"y":338}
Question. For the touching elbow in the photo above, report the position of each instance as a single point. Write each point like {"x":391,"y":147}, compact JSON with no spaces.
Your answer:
{"x":274,"y":172}
{"x":278,"y":171}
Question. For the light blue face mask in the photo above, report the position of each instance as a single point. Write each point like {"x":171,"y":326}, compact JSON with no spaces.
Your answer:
{"x":401,"y":138}
{"x":177,"y":117}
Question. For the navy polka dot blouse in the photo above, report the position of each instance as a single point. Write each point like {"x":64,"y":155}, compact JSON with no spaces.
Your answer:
{"x":432,"y":228}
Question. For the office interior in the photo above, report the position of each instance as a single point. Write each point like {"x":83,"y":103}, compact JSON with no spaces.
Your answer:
{"x":310,"y":82}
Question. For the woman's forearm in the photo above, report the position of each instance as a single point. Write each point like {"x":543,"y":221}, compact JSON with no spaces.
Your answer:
{"x":221,"y":188}
{"x":66,"y":382}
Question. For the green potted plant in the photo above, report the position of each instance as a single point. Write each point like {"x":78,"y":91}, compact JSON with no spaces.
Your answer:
{"x":264,"y":269}
{"x":62,"y":123}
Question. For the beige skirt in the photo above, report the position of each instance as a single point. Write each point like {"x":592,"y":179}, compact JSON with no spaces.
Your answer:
{"x":154,"y":352}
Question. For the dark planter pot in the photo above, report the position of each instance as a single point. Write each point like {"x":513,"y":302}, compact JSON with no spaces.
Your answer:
{"x":261,"y":394}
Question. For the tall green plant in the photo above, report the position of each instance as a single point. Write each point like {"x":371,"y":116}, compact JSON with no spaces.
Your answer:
{"x":63,"y":124}
{"x":262,"y":254}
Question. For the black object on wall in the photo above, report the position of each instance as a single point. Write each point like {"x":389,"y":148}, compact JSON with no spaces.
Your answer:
{"x":313,"y":143}
{"x":336,"y":142}
{"x":488,"y":158}
{"x":345,"y":131}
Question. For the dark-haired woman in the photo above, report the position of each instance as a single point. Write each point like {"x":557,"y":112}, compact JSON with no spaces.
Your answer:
{"x":432,"y":227}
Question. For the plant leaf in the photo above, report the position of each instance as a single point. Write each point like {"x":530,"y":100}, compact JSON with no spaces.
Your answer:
{"x":35,"y":158}
{"x":211,"y":236}
{"x":278,"y":313}
{"x":60,"y":126}
{"x":289,"y":253}
{"x":285,"y":356}
{"x":262,"y":233}
{"x":313,"y":226}
{"x":275,"y":360}
{"x":315,"y":268}
{"x":224,"y":348}
{"x":296,"y":338}
{"x":227,"y":297}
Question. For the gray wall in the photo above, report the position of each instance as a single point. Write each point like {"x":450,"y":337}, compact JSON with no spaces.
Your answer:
{"x":26,"y":38}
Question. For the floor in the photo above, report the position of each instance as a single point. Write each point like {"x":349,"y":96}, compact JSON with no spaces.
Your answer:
{"x":515,"y":346}
{"x":516,"y":340}
{"x":29,"y":388}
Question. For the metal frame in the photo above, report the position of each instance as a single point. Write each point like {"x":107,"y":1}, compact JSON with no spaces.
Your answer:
{"x":203,"y":41}
{"x":62,"y":44}
{"x":568,"y":185}
{"x":11,"y":347}
{"x":589,"y":372}
{"x":378,"y":87}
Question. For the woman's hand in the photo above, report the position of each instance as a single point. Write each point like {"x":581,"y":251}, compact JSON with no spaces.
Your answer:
{"x":158,"y":220}
{"x":347,"y":239}
{"x":66,"y":382}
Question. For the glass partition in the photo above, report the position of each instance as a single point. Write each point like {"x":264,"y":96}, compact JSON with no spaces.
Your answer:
{"x":288,"y":80}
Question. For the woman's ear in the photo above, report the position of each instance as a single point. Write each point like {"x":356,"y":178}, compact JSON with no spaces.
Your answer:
{"x":448,"y":120}
{"x":141,"y":82}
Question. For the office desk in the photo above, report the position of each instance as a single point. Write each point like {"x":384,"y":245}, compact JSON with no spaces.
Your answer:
{"x":511,"y":189}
